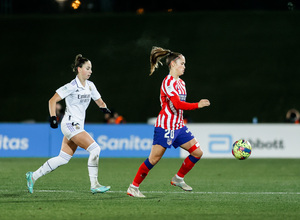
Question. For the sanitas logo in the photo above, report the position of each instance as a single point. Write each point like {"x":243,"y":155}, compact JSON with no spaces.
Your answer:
{"x":131,"y":143}
{"x":7,"y":143}
{"x":275,"y":144}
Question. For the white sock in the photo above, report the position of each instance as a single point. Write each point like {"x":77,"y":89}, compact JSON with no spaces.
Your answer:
{"x":178,"y":177}
{"x":51,"y":164}
{"x":93,"y":162}
{"x":133,"y":186}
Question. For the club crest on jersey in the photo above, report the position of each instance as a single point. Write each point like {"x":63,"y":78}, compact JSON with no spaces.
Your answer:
{"x":169,"y":89}
{"x":90,"y":88}
{"x":169,"y":141}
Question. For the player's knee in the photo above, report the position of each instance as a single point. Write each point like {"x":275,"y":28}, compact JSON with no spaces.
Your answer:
{"x":95,"y":153}
{"x":94,"y":150}
{"x":197,"y":152}
{"x":154,"y":160}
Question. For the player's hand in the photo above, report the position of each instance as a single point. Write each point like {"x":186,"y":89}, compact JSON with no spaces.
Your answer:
{"x":203,"y":103}
{"x":105,"y":110}
{"x":53,"y":122}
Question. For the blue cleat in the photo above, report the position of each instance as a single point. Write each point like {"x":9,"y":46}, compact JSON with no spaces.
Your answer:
{"x":100,"y":189}
{"x":30,"y":181}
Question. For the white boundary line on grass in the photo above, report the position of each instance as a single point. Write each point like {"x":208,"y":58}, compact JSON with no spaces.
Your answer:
{"x":168,"y":192}
{"x":230,"y":193}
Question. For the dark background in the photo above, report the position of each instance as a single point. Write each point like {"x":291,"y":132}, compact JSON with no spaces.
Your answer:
{"x":53,"y":6}
{"x":242,"y":56}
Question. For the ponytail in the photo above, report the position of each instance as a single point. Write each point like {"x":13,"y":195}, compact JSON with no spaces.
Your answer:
{"x":158,"y":53}
{"x":79,"y":61}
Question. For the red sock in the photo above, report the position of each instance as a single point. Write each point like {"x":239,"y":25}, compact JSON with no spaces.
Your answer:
{"x":142,"y":172}
{"x":187,"y":165}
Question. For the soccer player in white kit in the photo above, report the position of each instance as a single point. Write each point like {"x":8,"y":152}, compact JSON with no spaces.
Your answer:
{"x":77,"y":94}
{"x":169,"y":127}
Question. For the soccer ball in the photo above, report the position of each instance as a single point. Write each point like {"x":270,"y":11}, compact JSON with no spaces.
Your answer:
{"x":241,"y":149}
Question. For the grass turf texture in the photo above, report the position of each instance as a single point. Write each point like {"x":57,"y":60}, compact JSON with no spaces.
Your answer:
{"x":222,"y":189}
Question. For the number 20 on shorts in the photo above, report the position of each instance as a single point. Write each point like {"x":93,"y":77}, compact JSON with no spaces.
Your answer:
{"x":169,"y":134}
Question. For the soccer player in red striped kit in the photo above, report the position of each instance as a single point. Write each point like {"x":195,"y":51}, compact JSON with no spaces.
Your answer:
{"x":169,"y":127}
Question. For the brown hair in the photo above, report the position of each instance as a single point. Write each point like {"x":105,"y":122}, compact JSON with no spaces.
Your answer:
{"x":79,"y":61}
{"x":158,"y":53}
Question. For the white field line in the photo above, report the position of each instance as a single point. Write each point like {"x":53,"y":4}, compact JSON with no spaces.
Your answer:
{"x":168,"y":192}
{"x":230,"y":193}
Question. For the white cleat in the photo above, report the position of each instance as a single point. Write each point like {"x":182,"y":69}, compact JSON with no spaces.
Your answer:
{"x":180,"y":183}
{"x":134,"y":192}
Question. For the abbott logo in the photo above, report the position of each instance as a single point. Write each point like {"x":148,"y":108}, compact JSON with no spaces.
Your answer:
{"x":220,"y":143}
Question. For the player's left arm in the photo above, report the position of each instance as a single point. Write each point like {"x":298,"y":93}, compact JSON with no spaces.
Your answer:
{"x":173,"y":96}
{"x":102,"y":105}
{"x":178,"y":104}
{"x":97,"y":98}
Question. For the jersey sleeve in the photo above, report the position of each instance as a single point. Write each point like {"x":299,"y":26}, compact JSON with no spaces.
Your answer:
{"x":183,"y":105}
{"x":169,"y":88}
{"x":172,"y":94}
{"x":65,"y":90}
{"x":94,"y":92}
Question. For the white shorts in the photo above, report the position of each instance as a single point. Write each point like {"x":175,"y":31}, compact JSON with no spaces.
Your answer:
{"x":71,"y":128}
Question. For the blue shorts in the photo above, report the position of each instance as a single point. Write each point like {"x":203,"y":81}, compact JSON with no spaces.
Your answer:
{"x":167,"y":138}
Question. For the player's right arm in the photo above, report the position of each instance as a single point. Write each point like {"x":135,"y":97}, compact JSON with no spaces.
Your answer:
{"x":60,"y":94}
{"x":52,"y":110}
{"x":52,"y":104}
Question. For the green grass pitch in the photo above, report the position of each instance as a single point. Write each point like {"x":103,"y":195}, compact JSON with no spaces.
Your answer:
{"x":222,"y":189}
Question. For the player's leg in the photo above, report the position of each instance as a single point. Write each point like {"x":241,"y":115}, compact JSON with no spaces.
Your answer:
{"x":196,"y":153}
{"x":156,"y":154}
{"x":67,"y":150}
{"x":190,"y":144}
{"x":85,"y":141}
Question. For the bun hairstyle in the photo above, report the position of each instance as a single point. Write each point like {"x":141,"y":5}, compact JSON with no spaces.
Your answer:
{"x":158,"y":53}
{"x":79,"y":61}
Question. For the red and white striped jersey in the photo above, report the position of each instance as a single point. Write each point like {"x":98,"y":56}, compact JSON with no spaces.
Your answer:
{"x":171,"y":114}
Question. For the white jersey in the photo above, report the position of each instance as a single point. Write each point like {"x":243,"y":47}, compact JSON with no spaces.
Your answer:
{"x":77,"y":98}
